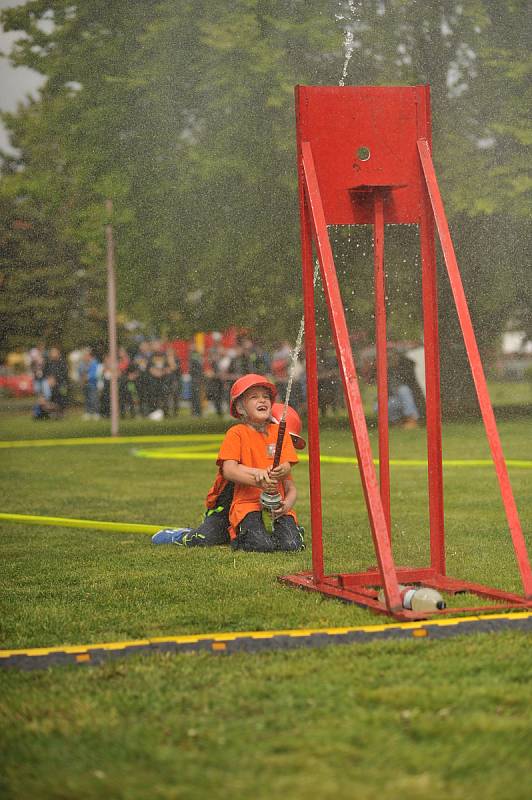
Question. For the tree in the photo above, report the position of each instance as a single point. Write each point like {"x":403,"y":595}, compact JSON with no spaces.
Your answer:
{"x":185,"y":119}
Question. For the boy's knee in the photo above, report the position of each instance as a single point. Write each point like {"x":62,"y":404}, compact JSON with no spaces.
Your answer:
{"x":288,"y":535}
{"x":215,"y":527}
{"x":252,"y":535}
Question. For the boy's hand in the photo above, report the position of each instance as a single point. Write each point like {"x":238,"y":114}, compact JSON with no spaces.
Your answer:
{"x":284,"y":508}
{"x":281,"y":471}
{"x":263,"y":479}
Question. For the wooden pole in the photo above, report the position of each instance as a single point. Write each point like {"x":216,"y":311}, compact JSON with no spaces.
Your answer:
{"x":111,"y":317}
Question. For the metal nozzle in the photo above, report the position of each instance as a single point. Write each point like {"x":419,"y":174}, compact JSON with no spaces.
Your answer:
{"x":271,"y":502}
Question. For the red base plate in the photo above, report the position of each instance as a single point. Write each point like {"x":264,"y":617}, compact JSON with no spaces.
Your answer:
{"x":362,"y":588}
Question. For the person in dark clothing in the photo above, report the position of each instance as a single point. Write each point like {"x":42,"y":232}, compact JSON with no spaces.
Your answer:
{"x":215,"y":377}
{"x":142,"y":381}
{"x":158,"y":371}
{"x":240,"y":364}
{"x":195,"y":369}
{"x":328,"y":380}
{"x":406,"y":403}
{"x":56,"y":375}
{"x":89,"y":375}
{"x":128,"y":391}
{"x":105,"y":391}
{"x":261,"y":360}
{"x":172,"y":383}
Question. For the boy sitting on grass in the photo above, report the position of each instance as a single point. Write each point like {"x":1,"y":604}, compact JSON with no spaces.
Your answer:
{"x":245,"y":469}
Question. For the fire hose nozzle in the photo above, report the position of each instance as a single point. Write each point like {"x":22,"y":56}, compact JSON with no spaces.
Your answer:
{"x":271,"y":502}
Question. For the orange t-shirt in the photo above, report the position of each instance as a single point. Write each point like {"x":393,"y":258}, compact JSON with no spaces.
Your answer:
{"x":215,"y":491}
{"x":251,"y":448}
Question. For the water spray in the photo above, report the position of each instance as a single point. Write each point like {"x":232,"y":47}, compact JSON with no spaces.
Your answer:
{"x":271,"y":501}
{"x":349,"y":42}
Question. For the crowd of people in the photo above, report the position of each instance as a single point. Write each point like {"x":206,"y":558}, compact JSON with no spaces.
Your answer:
{"x":153,"y":379}
{"x":156,"y":377}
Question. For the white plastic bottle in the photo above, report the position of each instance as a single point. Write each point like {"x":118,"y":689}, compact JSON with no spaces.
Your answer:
{"x":417,"y":599}
{"x":402,"y":589}
{"x":423,"y":599}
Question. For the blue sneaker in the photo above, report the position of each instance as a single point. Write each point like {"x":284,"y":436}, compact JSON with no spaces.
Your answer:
{"x":170,"y":536}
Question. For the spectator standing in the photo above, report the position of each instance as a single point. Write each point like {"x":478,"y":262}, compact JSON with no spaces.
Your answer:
{"x":37,"y":361}
{"x":141,"y":361}
{"x":56,"y":376}
{"x":261,"y":360}
{"x":128,"y":393}
{"x":172,"y":382}
{"x":105,"y":382}
{"x":224,"y":367}
{"x":328,"y":380}
{"x":237,"y":366}
{"x":195,"y":369}
{"x":215,"y":375}
{"x":123,"y":360}
{"x":158,"y":372}
{"x":244,"y":358}
{"x":89,"y":373}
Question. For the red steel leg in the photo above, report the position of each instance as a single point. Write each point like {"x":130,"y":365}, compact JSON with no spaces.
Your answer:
{"x":432,"y":355}
{"x":382,"y":356}
{"x":432,"y":381}
{"x":316,"y":521}
{"x":476,"y":368}
{"x":349,"y":377}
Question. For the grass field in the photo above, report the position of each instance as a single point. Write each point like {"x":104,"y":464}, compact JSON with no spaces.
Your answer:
{"x":448,"y":719}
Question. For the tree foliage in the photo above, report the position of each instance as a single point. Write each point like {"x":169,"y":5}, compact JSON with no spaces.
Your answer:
{"x":184,"y":117}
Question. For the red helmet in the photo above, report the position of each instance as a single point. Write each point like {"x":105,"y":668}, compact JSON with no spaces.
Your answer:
{"x":244,"y":383}
{"x":293,"y":423}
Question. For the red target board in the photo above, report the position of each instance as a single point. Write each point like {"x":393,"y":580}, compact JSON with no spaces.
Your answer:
{"x":362,"y":138}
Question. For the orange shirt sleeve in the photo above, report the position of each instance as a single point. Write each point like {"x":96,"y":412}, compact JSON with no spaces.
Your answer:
{"x":231,"y":447}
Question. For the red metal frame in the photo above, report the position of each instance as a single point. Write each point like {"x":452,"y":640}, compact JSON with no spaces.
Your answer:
{"x":364,"y":157}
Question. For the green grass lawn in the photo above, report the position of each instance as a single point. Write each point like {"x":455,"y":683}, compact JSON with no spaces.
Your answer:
{"x":447,"y":719}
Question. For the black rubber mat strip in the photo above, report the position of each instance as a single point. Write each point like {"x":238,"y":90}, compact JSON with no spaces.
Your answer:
{"x":262,"y":641}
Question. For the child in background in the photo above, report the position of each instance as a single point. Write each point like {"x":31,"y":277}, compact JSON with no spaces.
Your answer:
{"x":234,"y":513}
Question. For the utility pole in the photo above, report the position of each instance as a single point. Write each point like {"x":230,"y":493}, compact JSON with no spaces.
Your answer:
{"x":111,"y":317}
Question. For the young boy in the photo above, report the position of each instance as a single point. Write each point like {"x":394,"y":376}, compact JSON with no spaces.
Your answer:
{"x":244,"y":462}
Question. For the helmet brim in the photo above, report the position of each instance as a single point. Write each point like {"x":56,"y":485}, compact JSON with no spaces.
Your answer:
{"x":298,"y":441}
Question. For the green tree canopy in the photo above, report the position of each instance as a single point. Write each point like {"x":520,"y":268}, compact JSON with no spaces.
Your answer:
{"x":184,"y":117}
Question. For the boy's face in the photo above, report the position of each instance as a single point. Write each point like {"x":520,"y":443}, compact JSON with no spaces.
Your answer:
{"x":257,"y":404}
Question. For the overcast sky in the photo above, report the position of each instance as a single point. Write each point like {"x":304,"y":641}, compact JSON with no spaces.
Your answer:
{"x":15,"y":84}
